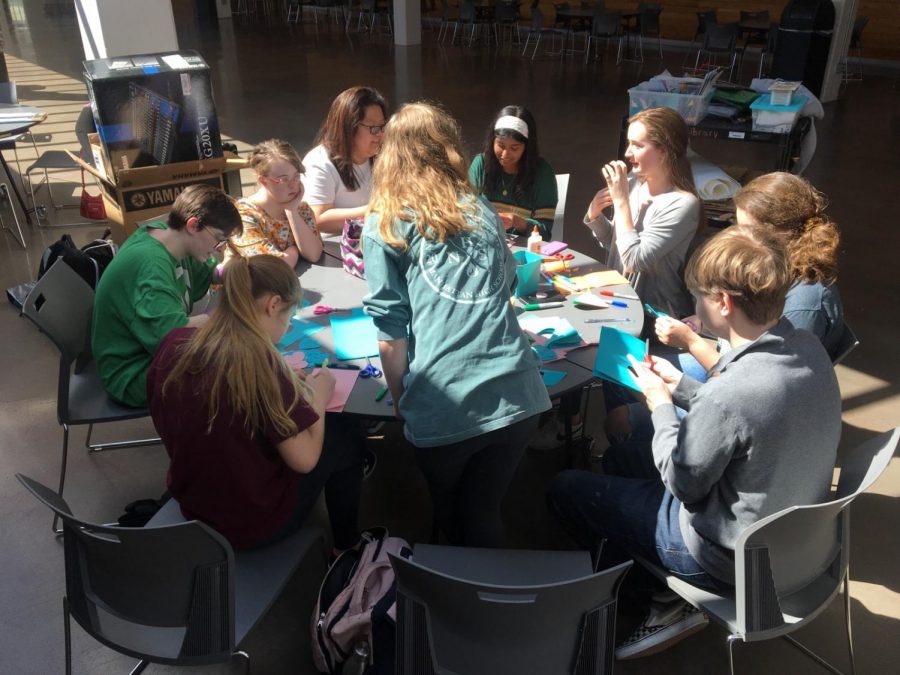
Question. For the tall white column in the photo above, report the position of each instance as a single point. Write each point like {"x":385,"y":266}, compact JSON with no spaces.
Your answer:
{"x":122,"y":27}
{"x":407,"y":22}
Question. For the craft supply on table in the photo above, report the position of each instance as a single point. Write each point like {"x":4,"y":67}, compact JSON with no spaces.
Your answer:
{"x":590,"y":300}
{"x":624,"y":319}
{"x":532,"y":306}
{"x":354,"y":336}
{"x":325,"y":309}
{"x":614,"y":294}
{"x":535,"y":241}
{"x":552,"y":377}
{"x":369,"y":370}
{"x":553,"y":247}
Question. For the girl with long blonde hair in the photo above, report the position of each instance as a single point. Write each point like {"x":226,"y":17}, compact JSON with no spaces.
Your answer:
{"x":461,"y":374}
{"x":245,"y":433}
{"x":656,"y":211}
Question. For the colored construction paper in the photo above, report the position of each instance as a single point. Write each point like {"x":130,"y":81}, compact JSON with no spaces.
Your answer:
{"x":598,"y":279}
{"x":590,"y":300}
{"x":315,"y":357}
{"x":552,"y":377}
{"x":344,"y":381}
{"x":297,"y":331}
{"x":354,"y":336}
{"x":528,"y":272}
{"x":612,"y":362}
{"x":543,"y":329}
{"x":296,"y":360}
{"x":544,"y":353}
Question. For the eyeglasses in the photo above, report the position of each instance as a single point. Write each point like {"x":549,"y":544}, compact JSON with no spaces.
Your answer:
{"x":281,"y":180}
{"x":374,"y":129}
{"x":220,"y":242}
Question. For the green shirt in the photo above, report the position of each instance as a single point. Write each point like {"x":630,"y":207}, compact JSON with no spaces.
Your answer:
{"x":143,"y":294}
{"x":470,"y":370}
{"x":538,"y":208}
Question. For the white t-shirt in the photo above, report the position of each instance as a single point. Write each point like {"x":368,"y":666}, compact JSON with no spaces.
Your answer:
{"x":322,"y":182}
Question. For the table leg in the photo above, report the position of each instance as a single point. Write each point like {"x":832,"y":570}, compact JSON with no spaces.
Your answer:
{"x":15,"y":188}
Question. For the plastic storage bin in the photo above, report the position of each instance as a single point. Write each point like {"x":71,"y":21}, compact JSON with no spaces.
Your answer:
{"x":775,"y":119}
{"x":691,"y":107}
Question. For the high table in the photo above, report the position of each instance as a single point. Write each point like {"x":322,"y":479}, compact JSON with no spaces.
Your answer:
{"x":326,"y":283}
{"x":24,"y":118}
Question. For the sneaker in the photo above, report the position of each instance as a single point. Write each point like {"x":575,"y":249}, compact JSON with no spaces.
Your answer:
{"x":374,"y":427}
{"x":550,"y":436}
{"x":663,"y":627}
{"x":370,"y":459}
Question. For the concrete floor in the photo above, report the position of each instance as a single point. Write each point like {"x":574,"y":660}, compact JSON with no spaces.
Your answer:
{"x":272,"y":80}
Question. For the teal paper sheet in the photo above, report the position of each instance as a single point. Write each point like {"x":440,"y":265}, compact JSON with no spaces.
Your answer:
{"x":552,"y":377}
{"x":355,"y":336}
{"x":299,"y":331}
{"x":613,"y":349}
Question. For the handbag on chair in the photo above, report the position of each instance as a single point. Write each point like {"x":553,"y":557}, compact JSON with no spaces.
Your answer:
{"x":351,"y":248}
{"x":91,"y":205}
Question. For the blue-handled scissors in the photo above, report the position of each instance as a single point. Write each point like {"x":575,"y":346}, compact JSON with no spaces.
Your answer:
{"x":370,"y":370}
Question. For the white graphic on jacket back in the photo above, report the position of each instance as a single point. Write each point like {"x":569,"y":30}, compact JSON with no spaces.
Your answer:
{"x":465,"y":268}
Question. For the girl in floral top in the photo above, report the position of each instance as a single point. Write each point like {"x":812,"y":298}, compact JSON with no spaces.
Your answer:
{"x":276,"y":219}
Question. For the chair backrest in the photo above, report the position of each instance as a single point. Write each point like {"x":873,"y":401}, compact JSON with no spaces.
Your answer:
{"x":704,"y":18}
{"x":162,"y":593}
{"x":761,"y":16}
{"x":648,"y":21}
{"x":85,"y":125}
{"x":845,"y":345}
{"x":506,"y":12}
{"x":450,"y":625}
{"x":720,"y":37}
{"x":537,"y":19}
{"x":606,"y":24}
{"x":61,"y":304}
{"x":466,"y":11}
{"x":858,"y":26}
{"x":559,"y":218}
{"x":789,"y":565}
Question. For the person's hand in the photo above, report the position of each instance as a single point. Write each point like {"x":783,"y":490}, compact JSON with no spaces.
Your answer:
{"x":511,"y":221}
{"x":601,"y":201}
{"x":654,"y":388}
{"x":322,"y":383}
{"x":666,"y":371}
{"x":674,"y":333}
{"x":292,"y":205}
{"x":616,"y":176}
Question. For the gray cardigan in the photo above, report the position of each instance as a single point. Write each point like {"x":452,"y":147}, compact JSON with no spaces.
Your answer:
{"x":761,"y":435}
{"x":656,"y":250}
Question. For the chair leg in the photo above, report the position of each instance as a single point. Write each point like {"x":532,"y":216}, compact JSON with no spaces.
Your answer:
{"x":4,"y":196}
{"x":244,"y":655}
{"x":62,"y":473}
{"x":847,"y":620}
{"x":67,"y":633}
{"x":731,"y":640}
{"x":116,"y":445}
{"x":139,"y":668}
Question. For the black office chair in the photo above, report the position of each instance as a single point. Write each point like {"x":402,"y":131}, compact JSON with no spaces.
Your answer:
{"x":855,"y":44}
{"x":703,"y":19}
{"x":489,"y":611}
{"x":172,"y":594}
{"x":719,"y":39}
{"x":605,"y":26}
{"x":61,"y":305}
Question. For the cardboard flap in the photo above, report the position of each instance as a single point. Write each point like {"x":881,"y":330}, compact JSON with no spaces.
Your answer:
{"x":90,"y":169}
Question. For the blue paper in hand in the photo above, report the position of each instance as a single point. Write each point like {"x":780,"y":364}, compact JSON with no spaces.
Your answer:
{"x":552,"y":377}
{"x":612,"y":362}
{"x":355,"y":336}
{"x":315,"y":357}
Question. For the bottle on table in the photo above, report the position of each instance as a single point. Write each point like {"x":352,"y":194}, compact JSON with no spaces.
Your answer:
{"x":358,"y":661}
{"x":535,"y":241}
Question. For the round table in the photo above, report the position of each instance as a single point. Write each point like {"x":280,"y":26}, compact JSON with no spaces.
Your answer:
{"x":16,"y":119}
{"x":326,"y":283}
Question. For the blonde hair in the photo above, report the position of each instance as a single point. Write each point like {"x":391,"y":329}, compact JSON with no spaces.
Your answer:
{"x":266,"y":153}
{"x":421,"y":175}
{"x":668,"y":131}
{"x":794,"y":208}
{"x":748,"y":263}
{"x":237,"y":353}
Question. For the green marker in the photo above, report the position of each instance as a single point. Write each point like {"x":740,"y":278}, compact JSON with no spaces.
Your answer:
{"x":531,"y":306}
{"x":381,"y":393}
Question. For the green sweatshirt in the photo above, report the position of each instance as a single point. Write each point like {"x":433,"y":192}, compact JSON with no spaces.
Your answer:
{"x":471,"y":369}
{"x":143,"y":294}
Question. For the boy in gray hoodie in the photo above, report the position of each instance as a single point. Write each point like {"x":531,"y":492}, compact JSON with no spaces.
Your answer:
{"x":761,"y":435}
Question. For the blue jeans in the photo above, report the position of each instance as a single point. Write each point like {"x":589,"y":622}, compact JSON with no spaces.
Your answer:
{"x":634,"y":513}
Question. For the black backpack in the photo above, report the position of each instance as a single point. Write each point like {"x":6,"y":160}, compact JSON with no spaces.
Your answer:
{"x":89,"y":261}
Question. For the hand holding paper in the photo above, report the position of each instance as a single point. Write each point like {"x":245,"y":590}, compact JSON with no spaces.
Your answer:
{"x":649,"y":383}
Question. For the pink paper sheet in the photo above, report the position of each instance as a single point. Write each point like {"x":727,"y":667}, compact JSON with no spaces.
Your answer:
{"x":344,"y":380}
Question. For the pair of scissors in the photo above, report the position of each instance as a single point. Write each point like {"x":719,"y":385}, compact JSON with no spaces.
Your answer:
{"x":325,"y":309}
{"x":561,"y":256}
{"x":370,"y":370}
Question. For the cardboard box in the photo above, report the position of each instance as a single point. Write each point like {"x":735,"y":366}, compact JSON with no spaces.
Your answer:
{"x":153,"y":109}
{"x":136,"y":195}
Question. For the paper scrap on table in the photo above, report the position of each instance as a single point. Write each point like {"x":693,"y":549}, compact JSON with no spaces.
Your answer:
{"x":296,"y":360}
{"x":612,"y":361}
{"x":544,"y":353}
{"x":552,"y":377}
{"x":297,"y":331}
{"x":354,"y":336}
{"x":344,"y":381}
{"x":598,"y":279}
{"x":315,"y":357}
{"x":552,"y":332}
{"x":590,"y":300}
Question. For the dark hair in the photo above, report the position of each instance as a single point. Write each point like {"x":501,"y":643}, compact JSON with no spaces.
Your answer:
{"x":210,"y":206}
{"x":340,"y":125}
{"x":528,"y":165}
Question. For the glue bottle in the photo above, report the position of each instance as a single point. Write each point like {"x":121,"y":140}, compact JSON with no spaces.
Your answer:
{"x":535,"y":241}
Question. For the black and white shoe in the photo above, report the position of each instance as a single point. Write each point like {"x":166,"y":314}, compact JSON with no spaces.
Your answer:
{"x":665,"y":625}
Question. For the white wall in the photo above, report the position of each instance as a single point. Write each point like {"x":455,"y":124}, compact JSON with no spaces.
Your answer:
{"x":122,"y":27}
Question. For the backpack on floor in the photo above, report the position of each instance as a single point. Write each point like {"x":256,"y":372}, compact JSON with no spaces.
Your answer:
{"x":357,"y":602}
{"x":89,"y":261}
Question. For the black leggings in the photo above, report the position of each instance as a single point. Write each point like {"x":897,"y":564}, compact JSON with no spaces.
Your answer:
{"x":339,"y":473}
{"x":468,"y":480}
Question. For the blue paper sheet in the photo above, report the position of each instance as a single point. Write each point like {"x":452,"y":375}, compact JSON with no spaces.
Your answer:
{"x":355,"y":336}
{"x":612,"y":362}
{"x":552,"y":377}
{"x":544,"y":353}
{"x":299,"y":331}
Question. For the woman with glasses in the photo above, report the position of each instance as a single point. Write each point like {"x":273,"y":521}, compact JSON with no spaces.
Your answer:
{"x":276,"y":219}
{"x":513,"y":176}
{"x":459,"y":369}
{"x":338,"y":176}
